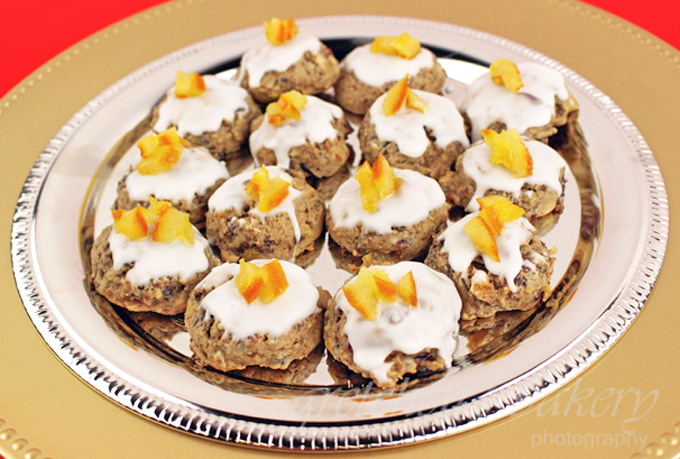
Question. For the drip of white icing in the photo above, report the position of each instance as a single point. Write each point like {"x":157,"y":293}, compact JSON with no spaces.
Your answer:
{"x":235,"y":315}
{"x":376,"y":69}
{"x":462,"y":251}
{"x":156,"y":260}
{"x":232,"y":195}
{"x":532,"y":106}
{"x":399,"y":327}
{"x":417,"y":196}
{"x":277,"y":58}
{"x":547,"y":168}
{"x":195,"y":171}
{"x":196,"y":115}
{"x":314,"y":126}
{"x":407,"y":127}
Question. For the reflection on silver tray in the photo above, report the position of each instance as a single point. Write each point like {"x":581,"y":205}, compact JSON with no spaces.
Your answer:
{"x":319,"y":404}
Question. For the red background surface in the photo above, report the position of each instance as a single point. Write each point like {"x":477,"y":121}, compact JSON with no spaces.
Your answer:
{"x":34,"y":31}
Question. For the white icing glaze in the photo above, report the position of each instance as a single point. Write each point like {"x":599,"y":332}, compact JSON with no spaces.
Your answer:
{"x":232,"y":194}
{"x":155,"y":260}
{"x":195,"y":171}
{"x":227,"y":305}
{"x":462,"y":252}
{"x":277,"y":58}
{"x":407,"y":127}
{"x":314,"y":126}
{"x":376,"y":69}
{"x":477,"y":165}
{"x":399,"y":327}
{"x":204,"y":113}
{"x":417,"y":196}
{"x":532,"y":106}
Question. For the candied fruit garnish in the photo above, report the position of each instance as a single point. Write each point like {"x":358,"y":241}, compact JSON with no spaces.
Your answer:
{"x":258,"y":183}
{"x":399,"y":95}
{"x":250,"y":281}
{"x":279,"y":32}
{"x":376,"y":183}
{"x":156,"y":209}
{"x":160,"y":152}
{"x":504,"y":72}
{"x":385,"y":289}
{"x":132,"y":223}
{"x":362,"y":294}
{"x":275,"y":282}
{"x":492,"y":220}
{"x":403,"y":46}
{"x":273,"y":194}
{"x":187,"y":85}
{"x":508,"y":150}
{"x":287,"y":107}
{"x":506,"y":210}
{"x":406,"y":289}
{"x":482,"y":237}
{"x":174,"y":225}
{"x":385,"y":179}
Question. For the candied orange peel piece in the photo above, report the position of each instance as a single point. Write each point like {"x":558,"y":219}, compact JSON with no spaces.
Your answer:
{"x":406,"y":289}
{"x":504,"y":72}
{"x":508,"y":150}
{"x":169,"y":224}
{"x":160,"y":152}
{"x":506,"y":210}
{"x":496,"y":211}
{"x":482,"y":237}
{"x":404,"y":45}
{"x":376,"y":183}
{"x":401,"y":95}
{"x":266,"y":283}
{"x":279,"y":32}
{"x":268,"y":193}
{"x":188,"y":85}
{"x":287,"y":107}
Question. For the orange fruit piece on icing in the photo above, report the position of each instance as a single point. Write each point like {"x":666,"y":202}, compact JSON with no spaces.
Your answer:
{"x":403,"y":46}
{"x":279,"y":32}
{"x":132,"y":223}
{"x":174,"y":225}
{"x":287,"y":107}
{"x":508,"y":150}
{"x":482,"y":237}
{"x":506,"y":210}
{"x":371,"y":286}
{"x":266,"y":283}
{"x":268,"y":193}
{"x":385,"y":289}
{"x":188,"y":85}
{"x":275,"y":282}
{"x":160,"y":152}
{"x":169,"y":224}
{"x":406,"y":289}
{"x":376,"y":183}
{"x":401,"y":94}
{"x":505,"y":73}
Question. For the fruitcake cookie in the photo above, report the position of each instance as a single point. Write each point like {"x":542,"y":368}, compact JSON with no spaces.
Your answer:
{"x":414,"y":130}
{"x":172,"y":171}
{"x":265,"y":213}
{"x":208,"y":112}
{"x":266,"y":313}
{"x":288,"y":60}
{"x":528,"y":97}
{"x":392,"y":321}
{"x":150,"y":259}
{"x":371,"y":70}
{"x":495,"y":260}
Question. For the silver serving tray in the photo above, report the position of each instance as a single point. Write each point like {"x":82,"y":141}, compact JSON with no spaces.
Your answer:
{"x":611,"y":243}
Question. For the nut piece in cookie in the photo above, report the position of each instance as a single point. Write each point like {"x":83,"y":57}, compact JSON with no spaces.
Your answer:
{"x":386,"y":215}
{"x":414,"y":130}
{"x":535,"y":101}
{"x":369,"y":71}
{"x":265,"y":213}
{"x":232,"y":329}
{"x":535,"y":181}
{"x":150,"y":259}
{"x":217,"y":118}
{"x":301,"y":133}
{"x":287,"y":61}
{"x":374,"y":327}
{"x":170,"y":170}
{"x":494,"y":271}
